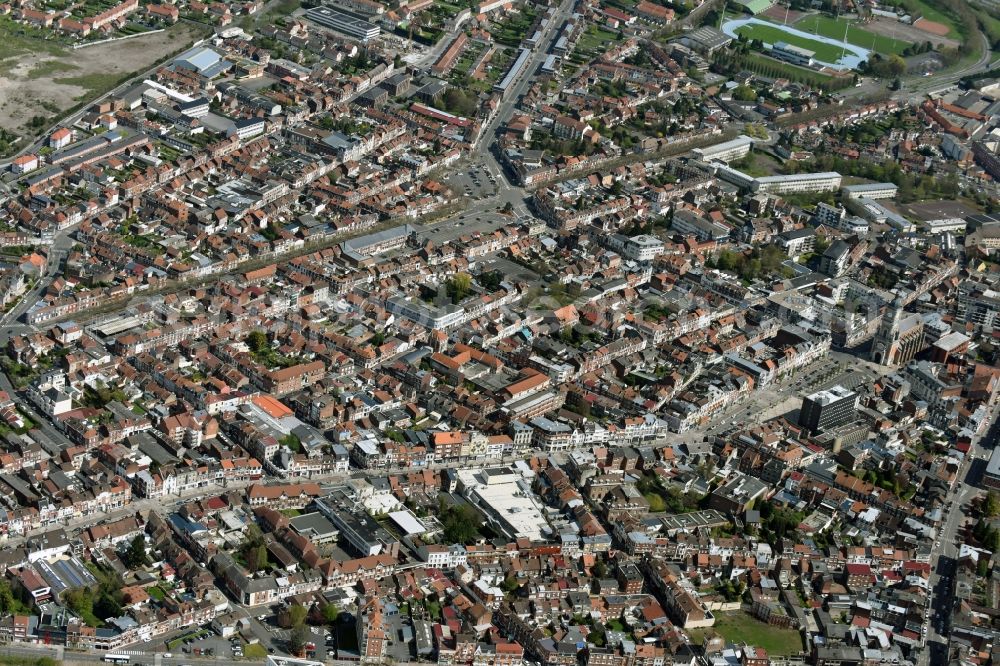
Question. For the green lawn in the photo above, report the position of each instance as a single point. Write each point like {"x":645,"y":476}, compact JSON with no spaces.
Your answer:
{"x":834,"y":29}
{"x":596,"y":39}
{"x":156,"y":593}
{"x":756,"y":165}
{"x":774,"y":34}
{"x":741,"y":628}
{"x":255,"y":651}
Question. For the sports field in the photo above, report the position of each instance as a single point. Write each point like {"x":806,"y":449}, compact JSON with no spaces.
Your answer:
{"x":774,"y":34}
{"x":834,"y":29}
{"x":930,"y":12}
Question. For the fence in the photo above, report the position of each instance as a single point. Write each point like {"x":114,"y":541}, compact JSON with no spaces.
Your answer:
{"x":116,"y":39}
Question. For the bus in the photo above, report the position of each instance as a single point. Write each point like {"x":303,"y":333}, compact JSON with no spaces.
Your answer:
{"x":116,"y":658}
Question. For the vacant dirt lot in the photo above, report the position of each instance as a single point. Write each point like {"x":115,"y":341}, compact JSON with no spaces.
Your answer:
{"x":47,"y":81}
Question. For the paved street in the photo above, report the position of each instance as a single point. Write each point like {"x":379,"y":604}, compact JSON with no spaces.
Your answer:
{"x":944,"y":553}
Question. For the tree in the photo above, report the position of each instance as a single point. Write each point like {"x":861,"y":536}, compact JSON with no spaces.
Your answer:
{"x":257,"y":341}
{"x":991,"y":505}
{"x":460,"y":102}
{"x":7,"y":601}
{"x":291,"y":441}
{"x":252,"y":536}
{"x":297,"y":615}
{"x":461,"y":523}
{"x":491,"y":280}
{"x":458,"y":287}
{"x":79,"y":600}
{"x":257,"y":561}
{"x":415,"y":23}
{"x":135,"y":555}
{"x":330,"y":614}
{"x":297,"y":639}
{"x":744,"y":93}
{"x":897,"y":66}
{"x":253,"y":549}
{"x":599,"y":570}
{"x":107,"y":606}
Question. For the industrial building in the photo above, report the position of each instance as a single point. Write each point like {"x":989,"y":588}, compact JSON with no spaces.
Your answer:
{"x":707,"y":39}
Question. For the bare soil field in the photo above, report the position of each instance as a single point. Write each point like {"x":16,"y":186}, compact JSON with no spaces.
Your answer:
{"x":910,"y":33}
{"x":932,"y":27}
{"x":47,"y":80}
{"x":781,"y":14}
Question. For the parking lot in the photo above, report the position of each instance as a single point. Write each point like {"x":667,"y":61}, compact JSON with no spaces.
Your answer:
{"x":472,"y":181}
{"x":469,"y":222}
{"x":401,"y":636}
{"x":784,"y":398}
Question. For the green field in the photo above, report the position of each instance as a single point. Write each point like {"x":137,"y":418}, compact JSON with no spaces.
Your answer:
{"x":741,"y":628}
{"x":774,"y":34}
{"x":834,"y":29}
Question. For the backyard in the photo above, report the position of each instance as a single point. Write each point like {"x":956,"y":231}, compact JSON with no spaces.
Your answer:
{"x":740,"y":628}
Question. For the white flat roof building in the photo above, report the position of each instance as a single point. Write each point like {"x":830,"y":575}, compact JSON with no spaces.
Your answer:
{"x":824,"y":181}
{"x":726,"y":151}
{"x":507,"y":500}
{"x":871,"y":191}
{"x":407,"y":522}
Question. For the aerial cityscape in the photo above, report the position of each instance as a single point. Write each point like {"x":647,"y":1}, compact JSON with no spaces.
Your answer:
{"x":500,"y":333}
